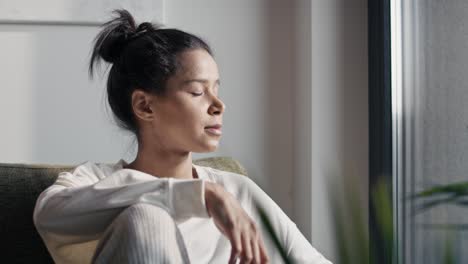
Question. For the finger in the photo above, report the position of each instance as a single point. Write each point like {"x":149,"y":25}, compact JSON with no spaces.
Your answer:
{"x":263,"y":252}
{"x":236,"y":248}
{"x":235,"y":259}
{"x":255,"y":250}
{"x":247,"y":254}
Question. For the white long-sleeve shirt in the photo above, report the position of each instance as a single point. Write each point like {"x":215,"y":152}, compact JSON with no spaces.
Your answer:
{"x":73,"y":213}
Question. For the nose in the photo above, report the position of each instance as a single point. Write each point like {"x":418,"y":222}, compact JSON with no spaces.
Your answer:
{"x":217,"y":107}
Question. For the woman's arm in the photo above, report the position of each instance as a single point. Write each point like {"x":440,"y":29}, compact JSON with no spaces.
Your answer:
{"x":80,"y":206}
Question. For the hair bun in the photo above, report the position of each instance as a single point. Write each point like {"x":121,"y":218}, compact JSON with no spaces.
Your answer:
{"x":145,"y":26}
{"x":112,"y":46}
{"x":113,"y":37}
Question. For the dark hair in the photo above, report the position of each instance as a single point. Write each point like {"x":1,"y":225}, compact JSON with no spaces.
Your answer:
{"x":142,"y":57}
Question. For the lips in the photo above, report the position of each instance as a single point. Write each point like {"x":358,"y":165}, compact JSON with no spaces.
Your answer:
{"x":214,"y":129}
{"x":217,"y":126}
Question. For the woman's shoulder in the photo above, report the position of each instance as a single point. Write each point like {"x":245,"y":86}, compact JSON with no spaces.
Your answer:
{"x":87,"y":172}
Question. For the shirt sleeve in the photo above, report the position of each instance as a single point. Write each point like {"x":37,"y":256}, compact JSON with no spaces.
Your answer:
{"x":79,"y":206}
{"x":297,"y":248}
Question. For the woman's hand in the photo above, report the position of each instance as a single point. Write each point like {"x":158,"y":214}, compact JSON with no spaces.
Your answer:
{"x":231,"y":219}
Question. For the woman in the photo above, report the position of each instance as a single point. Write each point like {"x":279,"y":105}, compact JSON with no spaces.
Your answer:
{"x":161,"y":208}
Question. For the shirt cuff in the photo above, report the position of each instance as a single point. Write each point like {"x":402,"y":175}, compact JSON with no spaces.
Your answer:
{"x":188,"y":198}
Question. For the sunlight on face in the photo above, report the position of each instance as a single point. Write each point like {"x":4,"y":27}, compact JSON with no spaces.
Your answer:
{"x":191,"y":105}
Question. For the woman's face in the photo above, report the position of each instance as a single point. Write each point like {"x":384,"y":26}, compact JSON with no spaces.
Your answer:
{"x":190,"y":106}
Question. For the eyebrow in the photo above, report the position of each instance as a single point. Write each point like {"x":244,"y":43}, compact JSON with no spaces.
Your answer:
{"x":201,"y":81}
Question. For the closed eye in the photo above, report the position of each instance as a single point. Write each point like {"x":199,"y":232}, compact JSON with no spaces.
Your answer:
{"x":197,"y":94}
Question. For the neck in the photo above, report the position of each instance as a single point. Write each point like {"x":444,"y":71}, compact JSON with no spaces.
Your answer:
{"x":164,"y":164}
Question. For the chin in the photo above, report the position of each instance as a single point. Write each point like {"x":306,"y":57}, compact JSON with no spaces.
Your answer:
{"x":210,"y":147}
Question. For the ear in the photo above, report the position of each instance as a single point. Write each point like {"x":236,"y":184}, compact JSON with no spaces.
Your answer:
{"x":142,"y":105}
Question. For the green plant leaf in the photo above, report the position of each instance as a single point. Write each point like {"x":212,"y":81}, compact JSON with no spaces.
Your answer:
{"x":271,"y":232}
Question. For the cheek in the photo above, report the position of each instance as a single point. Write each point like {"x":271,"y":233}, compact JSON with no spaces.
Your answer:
{"x":185,"y":117}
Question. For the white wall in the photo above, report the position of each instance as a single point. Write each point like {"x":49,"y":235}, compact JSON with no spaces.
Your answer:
{"x":302,"y":117}
{"x":339,"y":111}
{"x":50,"y":112}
